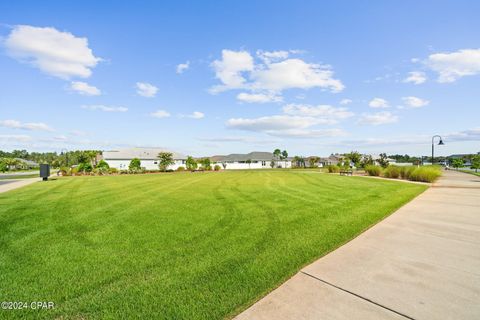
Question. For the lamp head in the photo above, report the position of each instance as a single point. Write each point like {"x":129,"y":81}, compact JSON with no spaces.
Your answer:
{"x":440,"y":143}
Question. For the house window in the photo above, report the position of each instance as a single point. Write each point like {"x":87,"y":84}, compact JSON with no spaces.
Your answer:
{"x":264,"y":163}
{"x":155,"y":162}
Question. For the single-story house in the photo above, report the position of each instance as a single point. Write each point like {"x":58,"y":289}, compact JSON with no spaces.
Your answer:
{"x":252,"y":160}
{"x":120,"y":159}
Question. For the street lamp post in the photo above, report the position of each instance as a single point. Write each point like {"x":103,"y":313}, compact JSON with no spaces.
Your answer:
{"x":440,"y":143}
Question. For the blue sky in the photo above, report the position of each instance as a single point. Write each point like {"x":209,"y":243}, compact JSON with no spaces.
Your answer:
{"x":205,"y":77}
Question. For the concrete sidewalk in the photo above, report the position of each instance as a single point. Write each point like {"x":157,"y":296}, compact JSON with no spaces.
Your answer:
{"x":422,"y":262}
{"x":11,"y":184}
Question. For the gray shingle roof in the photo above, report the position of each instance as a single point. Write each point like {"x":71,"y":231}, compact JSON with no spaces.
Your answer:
{"x":140,"y":153}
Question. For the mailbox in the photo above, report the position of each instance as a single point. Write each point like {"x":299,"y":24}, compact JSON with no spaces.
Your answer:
{"x":44,"y":171}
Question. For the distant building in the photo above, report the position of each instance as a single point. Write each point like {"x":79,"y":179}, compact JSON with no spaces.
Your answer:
{"x":120,"y":159}
{"x":252,"y":160}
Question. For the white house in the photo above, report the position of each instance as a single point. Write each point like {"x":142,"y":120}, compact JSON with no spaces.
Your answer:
{"x":120,"y":159}
{"x":252,"y":160}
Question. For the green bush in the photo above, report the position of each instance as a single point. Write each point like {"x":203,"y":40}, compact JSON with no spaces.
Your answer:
{"x":3,"y":167}
{"x":217,"y":167}
{"x":181,"y":169}
{"x":373,"y":170}
{"x":425,"y":173}
{"x":103,"y":164}
{"x":85,"y":167}
{"x":392,"y":172}
{"x":112,"y":170}
{"x":333,"y":169}
{"x":406,"y":171}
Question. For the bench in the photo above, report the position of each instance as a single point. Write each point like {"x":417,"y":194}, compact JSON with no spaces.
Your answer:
{"x":346,"y":173}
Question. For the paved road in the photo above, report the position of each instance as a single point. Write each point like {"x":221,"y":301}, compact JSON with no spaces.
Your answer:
{"x":422,"y":262}
{"x":7,"y":185}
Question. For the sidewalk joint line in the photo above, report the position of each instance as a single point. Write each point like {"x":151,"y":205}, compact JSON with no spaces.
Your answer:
{"x":358,"y":296}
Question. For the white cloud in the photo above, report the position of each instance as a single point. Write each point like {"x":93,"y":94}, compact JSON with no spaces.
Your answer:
{"x":145,"y":89}
{"x":229,"y":69}
{"x":452,"y":66}
{"x":56,"y":53}
{"x":414,"y":102}
{"x":182,"y":67}
{"x":258,"y":97}
{"x":193,"y":115}
{"x":276,"y":122}
{"x":307,"y":133}
{"x":274,"y":73}
{"x":345,"y":101}
{"x":378,"y":118}
{"x":105,"y":108}
{"x":295,"y":73}
{"x":160,"y":114}
{"x":269,"y":56}
{"x":326,"y":112}
{"x":34,"y":126}
{"x":416,"y":77}
{"x":14,"y":138}
{"x":378,"y":103}
{"x":84,"y":88}
{"x":465,"y":135}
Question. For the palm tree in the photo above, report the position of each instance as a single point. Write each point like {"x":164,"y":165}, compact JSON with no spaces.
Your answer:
{"x":249,"y":161}
{"x":166,"y":159}
{"x":285,"y":156}
{"x":277,"y":153}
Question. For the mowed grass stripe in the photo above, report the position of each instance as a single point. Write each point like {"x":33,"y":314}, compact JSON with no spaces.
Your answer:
{"x":176,"y":246}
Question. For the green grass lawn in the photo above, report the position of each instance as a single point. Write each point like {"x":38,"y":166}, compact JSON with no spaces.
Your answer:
{"x":176,"y":246}
{"x":471,"y":172}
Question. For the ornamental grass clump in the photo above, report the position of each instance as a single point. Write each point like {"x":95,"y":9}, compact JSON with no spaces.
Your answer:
{"x":375,"y":171}
{"x":391,"y":172}
{"x":333,"y":169}
{"x":425,"y":174}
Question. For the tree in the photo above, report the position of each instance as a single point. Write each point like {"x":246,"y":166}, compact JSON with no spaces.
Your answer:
{"x":383,"y":160}
{"x":312,"y":161}
{"x":134,"y":165}
{"x":367,"y":161}
{"x":224,"y":165}
{"x":102,"y":164}
{"x":191,"y":163}
{"x":457,"y":163}
{"x":3,"y":166}
{"x":284,"y":156}
{"x":272,"y":164}
{"x":354,"y":157}
{"x":277,"y":153}
{"x":249,"y":161}
{"x":166,"y":159}
{"x":475,"y":163}
{"x":205,"y":162}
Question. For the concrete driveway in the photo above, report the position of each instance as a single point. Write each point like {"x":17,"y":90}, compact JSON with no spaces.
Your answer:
{"x":422,"y":262}
{"x":11,"y":184}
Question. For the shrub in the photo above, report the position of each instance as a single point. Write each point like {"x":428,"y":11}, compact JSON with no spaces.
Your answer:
{"x":208,"y":168}
{"x":85,"y":167}
{"x":181,"y":169}
{"x":217,"y":167}
{"x":406,"y":171}
{"x":103,"y":164}
{"x":3,"y":167}
{"x":134,"y":165}
{"x":112,"y":170}
{"x":333,"y":169}
{"x":391,"y":172}
{"x":425,"y":174}
{"x":373,"y":170}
